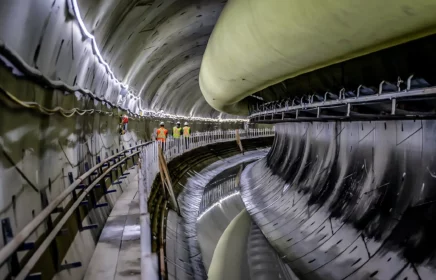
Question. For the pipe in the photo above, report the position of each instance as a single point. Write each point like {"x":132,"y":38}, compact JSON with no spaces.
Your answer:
{"x":232,"y":266}
{"x":256,"y":44}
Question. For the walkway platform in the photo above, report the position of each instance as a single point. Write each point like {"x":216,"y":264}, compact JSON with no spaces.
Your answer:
{"x":118,"y":252}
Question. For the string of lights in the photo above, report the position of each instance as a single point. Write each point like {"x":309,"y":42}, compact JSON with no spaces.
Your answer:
{"x":143,"y":112}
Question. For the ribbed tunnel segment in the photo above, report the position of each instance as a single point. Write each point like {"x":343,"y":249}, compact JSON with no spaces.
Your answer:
{"x":348,"y":200}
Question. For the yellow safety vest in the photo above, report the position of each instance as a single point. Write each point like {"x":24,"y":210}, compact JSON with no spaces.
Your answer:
{"x":176,"y":132}
{"x":162,"y":134}
{"x":186,"y":131}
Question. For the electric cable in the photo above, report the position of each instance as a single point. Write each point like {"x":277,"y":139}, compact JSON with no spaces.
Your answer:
{"x":37,"y":75}
{"x":68,"y":113}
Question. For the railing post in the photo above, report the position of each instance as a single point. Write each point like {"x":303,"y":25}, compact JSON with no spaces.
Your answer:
{"x":77,"y":210}
{"x":92,"y":192}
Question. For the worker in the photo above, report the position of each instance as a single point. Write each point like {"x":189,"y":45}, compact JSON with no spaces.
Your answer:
{"x":123,"y":124}
{"x":177,"y":132}
{"x":186,"y":134}
{"x":162,"y":133}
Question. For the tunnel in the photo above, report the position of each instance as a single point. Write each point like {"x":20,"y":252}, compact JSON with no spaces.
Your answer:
{"x":222,"y":140}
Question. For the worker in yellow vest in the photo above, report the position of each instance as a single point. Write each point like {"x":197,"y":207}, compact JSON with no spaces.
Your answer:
{"x":186,"y":134}
{"x":177,"y":132}
{"x":162,"y":133}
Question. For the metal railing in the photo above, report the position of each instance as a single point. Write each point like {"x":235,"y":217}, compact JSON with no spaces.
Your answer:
{"x":173,"y":148}
{"x":84,"y":185}
{"x":291,"y":110}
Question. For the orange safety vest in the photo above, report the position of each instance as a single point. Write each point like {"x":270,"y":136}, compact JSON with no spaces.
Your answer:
{"x":186,"y":131}
{"x":161,"y":134}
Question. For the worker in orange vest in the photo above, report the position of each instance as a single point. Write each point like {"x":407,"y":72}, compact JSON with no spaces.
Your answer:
{"x":162,"y":133}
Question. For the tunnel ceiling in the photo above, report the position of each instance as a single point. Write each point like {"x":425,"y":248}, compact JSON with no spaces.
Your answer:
{"x":156,"y":47}
{"x":200,"y":57}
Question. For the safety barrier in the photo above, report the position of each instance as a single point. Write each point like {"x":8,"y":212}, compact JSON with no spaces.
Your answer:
{"x":173,"y":148}
{"x":78,"y":190}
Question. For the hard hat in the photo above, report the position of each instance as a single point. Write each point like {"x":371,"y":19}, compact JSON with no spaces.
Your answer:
{"x":162,"y":123}
{"x":186,"y":123}
{"x":178,"y":123}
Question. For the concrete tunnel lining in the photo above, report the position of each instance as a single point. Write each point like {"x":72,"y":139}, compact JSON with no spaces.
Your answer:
{"x":157,"y":48}
{"x":348,"y":200}
{"x":101,"y":48}
{"x":159,"y":36}
{"x":46,"y":148}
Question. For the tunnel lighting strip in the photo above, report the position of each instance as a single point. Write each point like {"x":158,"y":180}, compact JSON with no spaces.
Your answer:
{"x":217,"y":204}
{"x":85,"y":32}
{"x":379,"y":97}
{"x":94,"y":43}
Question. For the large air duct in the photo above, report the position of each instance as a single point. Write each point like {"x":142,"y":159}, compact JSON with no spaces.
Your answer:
{"x":258,"y":43}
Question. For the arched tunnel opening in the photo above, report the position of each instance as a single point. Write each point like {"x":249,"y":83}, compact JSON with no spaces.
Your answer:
{"x":209,"y":139}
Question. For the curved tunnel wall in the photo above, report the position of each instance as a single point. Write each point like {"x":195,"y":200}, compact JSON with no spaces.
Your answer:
{"x":157,"y":47}
{"x":348,"y":200}
{"x":142,"y":55}
{"x":45,"y":35}
{"x":36,"y":154}
{"x":46,"y":148}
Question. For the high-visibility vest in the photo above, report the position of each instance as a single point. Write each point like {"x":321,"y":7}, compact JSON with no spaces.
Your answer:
{"x":176,"y":132}
{"x":186,"y":131}
{"x":161,"y":134}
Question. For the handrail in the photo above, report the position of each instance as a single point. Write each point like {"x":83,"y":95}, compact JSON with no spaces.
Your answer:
{"x":46,"y":243}
{"x":173,"y":148}
{"x":385,"y":92}
{"x":12,"y":246}
{"x":427,"y":92}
